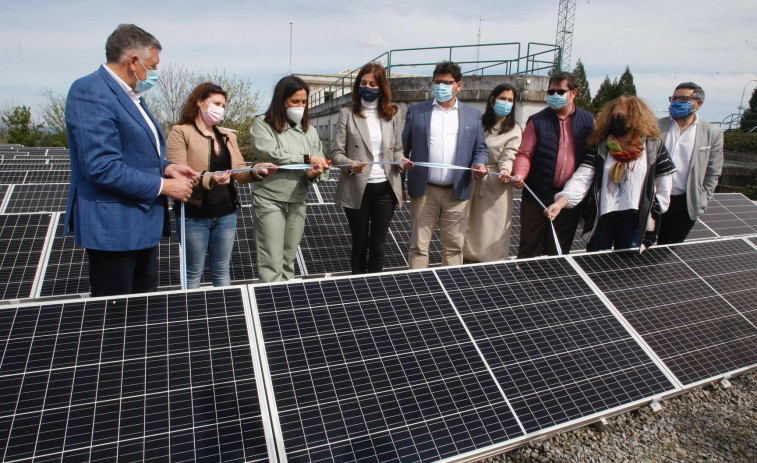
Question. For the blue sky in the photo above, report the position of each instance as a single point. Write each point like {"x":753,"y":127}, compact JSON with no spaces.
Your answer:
{"x":47,"y":44}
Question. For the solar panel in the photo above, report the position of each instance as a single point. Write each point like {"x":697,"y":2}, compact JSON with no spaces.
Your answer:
{"x":25,"y":165}
{"x":376,"y":368}
{"x":730,"y":214}
{"x":400,"y":232}
{"x":141,"y":378}
{"x":327,"y":191}
{"x":48,"y":176}
{"x":22,"y":242}
{"x":3,"y":191}
{"x":42,"y":197}
{"x":66,"y":271}
{"x":12,"y":176}
{"x":326,"y":246}
{"x":687,"y":302}
{"x":557,"y":350}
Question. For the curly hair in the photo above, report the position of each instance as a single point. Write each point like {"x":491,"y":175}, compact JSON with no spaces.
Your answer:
{"x":640,"y":120}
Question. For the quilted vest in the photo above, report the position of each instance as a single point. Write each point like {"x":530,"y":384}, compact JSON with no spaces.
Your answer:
{"x":547,"y":128}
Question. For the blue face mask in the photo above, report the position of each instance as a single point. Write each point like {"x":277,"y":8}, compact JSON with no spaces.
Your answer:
{"x":679,"y":109}
{"x":502,"y":108}
{"x":369,"y":94}
{"x":150,"y":80}
{"x":557,"y":101}
{"x":443,"y":92}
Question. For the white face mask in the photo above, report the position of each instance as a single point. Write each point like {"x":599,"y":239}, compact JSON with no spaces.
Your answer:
{"x":295,"y":114}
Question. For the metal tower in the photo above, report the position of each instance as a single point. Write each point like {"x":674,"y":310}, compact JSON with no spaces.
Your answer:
{"x":564,"y":37}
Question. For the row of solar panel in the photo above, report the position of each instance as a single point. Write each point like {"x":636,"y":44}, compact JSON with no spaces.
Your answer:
{"x":457,"y":362}
{"x":37,"y":261}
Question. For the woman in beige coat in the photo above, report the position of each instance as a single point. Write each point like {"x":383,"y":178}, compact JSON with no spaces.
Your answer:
{"x":369,"y":132}
{"x":491,"y":208}
{"x":211,"y":218}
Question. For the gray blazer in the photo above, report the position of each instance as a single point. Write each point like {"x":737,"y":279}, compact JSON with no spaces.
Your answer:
{"x":353,"y":142}
{"x":706,"y":164}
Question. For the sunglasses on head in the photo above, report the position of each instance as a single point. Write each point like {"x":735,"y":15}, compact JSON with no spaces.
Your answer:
{"x":560,"y":92}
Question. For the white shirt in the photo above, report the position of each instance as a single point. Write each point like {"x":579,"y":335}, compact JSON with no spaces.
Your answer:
{"x":680,"y":145}
{"x":370,"y":110}
{"x":610,"y":200}
{"x":135,"y":98}
{"x":442,"y":142}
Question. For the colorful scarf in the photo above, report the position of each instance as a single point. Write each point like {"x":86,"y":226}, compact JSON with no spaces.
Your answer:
{"x":623,"y":156}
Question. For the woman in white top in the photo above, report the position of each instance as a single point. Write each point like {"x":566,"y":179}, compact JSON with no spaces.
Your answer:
{"x":369,"y":132}
{"x":627,"y":169}
{"x":491,"y":202}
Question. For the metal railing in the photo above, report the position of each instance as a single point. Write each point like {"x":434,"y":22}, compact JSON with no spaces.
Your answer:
{"x":539,"y":57}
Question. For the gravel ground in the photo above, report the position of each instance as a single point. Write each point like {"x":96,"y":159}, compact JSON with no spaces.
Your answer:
{"x":712,"y":424}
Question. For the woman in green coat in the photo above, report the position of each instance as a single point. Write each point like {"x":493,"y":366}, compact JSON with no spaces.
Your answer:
{"x":284,"y":136}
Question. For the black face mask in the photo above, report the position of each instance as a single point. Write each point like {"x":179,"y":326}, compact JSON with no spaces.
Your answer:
{"x":618,"y":126}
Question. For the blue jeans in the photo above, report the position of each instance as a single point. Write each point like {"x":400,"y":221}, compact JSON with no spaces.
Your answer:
{"x":619,"y":228}
{"x":215,"y":236}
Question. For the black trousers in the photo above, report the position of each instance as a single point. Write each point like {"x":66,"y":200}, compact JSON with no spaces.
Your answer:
{"x":369,"y":226}
{"x":536,"y":234}
{"x":123,"y":272}
{"x":675,"y":223}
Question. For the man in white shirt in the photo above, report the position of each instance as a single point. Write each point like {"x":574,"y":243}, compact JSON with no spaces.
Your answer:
{"x":442,"y":131}
{"x":119,"y":174}
{"x":696,"y":149}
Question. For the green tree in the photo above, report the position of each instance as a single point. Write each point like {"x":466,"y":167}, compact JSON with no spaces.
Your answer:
{"x":605,"y":93}
{"x":20,"y":128}
{"x":583,"y":98}
{"x":625,"y":85}
{"x":749,"y":117}
{"x":54,"y":114}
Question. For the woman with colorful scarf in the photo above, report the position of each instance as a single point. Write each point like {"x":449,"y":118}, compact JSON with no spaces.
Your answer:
{"x":627,"y":170}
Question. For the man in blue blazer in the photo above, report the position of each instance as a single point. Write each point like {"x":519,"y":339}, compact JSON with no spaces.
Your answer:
{"x":442,"y":131}
{"x":119,"y":174}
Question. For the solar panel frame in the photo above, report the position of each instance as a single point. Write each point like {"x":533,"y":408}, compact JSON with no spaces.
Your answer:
{"x":683,"y":316}
{"x":133,"y":382}
{"x":36,"y":197}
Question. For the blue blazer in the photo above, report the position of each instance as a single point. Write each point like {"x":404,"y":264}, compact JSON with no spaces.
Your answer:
{"x":471,"y":147}
{"x":113,"y":202}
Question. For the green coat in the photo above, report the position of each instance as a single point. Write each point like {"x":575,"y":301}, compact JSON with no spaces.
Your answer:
{"x":288,"y":147}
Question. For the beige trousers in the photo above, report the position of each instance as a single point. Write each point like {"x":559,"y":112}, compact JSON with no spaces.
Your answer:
{"x":437,"y":205}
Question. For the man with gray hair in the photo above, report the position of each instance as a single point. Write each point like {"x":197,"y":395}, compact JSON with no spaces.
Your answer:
{"x":696,"y":149}
{"x":119,"y":174}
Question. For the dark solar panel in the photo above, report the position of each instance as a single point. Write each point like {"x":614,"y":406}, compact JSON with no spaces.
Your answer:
{"x":25,"y":165}
{"x":165,"y":377}
{"x":41,"y":197}
{"x":327,"y":191}
{"x":48,"y":176}
{"x":12,"y":176}
{"x":697,"y":323}
{"x":731,"y":214}
{"x":22,"y":241}
{"x":377,"y":369}
{"x":3,"y":191}
{"x":556,"y":349}
{"x":400,"y":231}
{"x":67,"y":270}
{"x":327,"y":245}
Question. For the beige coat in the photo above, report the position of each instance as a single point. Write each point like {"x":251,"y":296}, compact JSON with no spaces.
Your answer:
{"x":490,"y":217}
{"x":188,"y":146}
{"x":353,"y":142}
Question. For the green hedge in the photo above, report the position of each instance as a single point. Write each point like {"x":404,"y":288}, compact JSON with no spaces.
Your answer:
{"x":735,"y":140}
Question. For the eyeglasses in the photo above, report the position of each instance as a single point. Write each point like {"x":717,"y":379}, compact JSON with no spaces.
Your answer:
{"x":445,"y":82}
{"x":682,"y":98}
{"x":560,"y":92}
